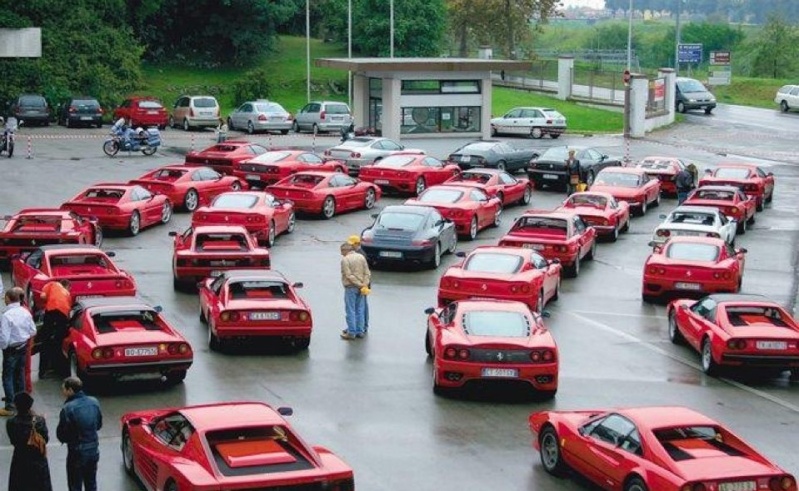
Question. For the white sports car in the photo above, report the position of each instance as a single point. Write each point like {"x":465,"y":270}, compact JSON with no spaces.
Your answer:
{"x":695,"y":221}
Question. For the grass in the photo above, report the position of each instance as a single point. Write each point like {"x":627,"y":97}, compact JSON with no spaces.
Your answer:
{"x":755,"y":92}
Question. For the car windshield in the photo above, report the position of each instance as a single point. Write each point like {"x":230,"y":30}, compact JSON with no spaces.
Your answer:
{"x":691,"y":86}
{"x":400,"y":221}
{"x":479,"y":147}
{"x":621,"y":179}
{"x":494,"y":262}
{"x":102,"y":194}
{"x":745,"y":315}
{"x":356,"y":143}
{"x":90,"y":262}
{"x":440,"y":196}
{"x":655,"y":164}
{"x":150,"y":105}
{"x":169,"y":174}
{"x":109,"y":322}
{"x":204,"y":102}
{"x":692,"y":218}
{"x":692,"y":251}
{"x":714,"y":194}
{"x":396,"y":161}
{"x":555,"y":153}
{"x":235,"y":200}
{"x":270,"y":108}
{"x":337,"y":109}
{"x":206,"y":242}
{"x":496,"y":323}
{"x":481,"y":177}
{"x":587,"y":199}
{"x":732,"y":173}
{"x":305,"y":180}
{"x":272,"y":157}
{"x":32,"y":101}
{"x":245,"y":289}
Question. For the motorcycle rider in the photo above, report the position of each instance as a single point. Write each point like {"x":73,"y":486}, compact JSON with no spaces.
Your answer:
{"x":348,"y":132}
{"x":127,"y":133}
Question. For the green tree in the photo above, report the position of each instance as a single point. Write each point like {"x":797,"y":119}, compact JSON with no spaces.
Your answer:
{"x":774,"y":51}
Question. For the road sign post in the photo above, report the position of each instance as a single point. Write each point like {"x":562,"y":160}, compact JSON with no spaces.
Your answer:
{"x":720,"y":68}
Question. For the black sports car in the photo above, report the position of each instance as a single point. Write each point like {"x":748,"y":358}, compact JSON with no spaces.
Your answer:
{"x":492,"y":153}
{"x":550,"y":168}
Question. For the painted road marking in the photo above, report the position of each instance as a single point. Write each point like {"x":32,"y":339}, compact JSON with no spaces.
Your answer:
{"x":616,"y":314}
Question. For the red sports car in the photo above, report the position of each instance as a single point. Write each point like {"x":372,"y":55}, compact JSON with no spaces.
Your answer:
{"x":222,"y":157}
{"x":693,"y":265}
{"x":469,"y":208}
{"x":601,"y":211}
{"x":127,"y":207}
{"x":736,"y":331}
{"x":275,"y":165}
{"x":408,"y":173}
{"x":629,"y":184}
{"x":90,"y":271}
{"x":263,"y":215}
{"x":502,"y":273}
{"x":665,"y":169}
{"x":753,"y":180}
{"x":241,"y":305}
{"x":123,"y":339}
{"x":729,"y":200}
{"x":142,"y":111}
{"x":230,"y":445}
{"x":652,"y":448}
{"x":326,"y":193}
{"x":207,"y":250}
{"x":34,"y":227}
{"x":496,"y":183}
{"x":473,"y":341}
{"x":557,"y":235}
{"x":186,"y":186}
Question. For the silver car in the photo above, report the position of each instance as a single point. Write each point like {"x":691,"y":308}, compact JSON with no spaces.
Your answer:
{"x":323,"y":116}
{"x":260,"y":115}
{"x":365,"y":150}
{"x":697,"y":221}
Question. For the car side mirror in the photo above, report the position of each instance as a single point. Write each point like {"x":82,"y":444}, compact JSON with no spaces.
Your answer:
{"x":770,"y":174}
{"x":430,"y":310}
{"x":460,"y":254}
{"x":742,"y":250}
{"x":297,"y":285}
{"x":111,"y":254}
{"x":652,"y":243}
{"x":135,"y":421}
{"x":173,"y":234}
{"x":581,"y":430}
{"x":158,"y":309}
{"x":285,"y":411}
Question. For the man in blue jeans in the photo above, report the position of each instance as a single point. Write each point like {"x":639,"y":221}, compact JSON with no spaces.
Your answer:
{"x":16,"y":329}
{"x":355,"y":242}
{"x":355,"y":277}
{"x":78,"y":424}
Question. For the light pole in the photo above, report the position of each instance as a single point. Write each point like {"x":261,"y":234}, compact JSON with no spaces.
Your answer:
{"x":677,"y":41}
{"x":349,"y":51}
{"x":308,"y":50}
{"x":630,"y":36}
{"x":391,"y":24}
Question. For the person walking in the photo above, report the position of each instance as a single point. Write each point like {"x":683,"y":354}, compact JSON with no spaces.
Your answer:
{"x":355,"y":242}
{"x":16,"y":330}
{"x":221,"y":131}
{"x":355,"y":276}
{"x":27,"y":432}
{"x":57,"y":306}
{"x":78,"y":424}
{"x":684,"y":182}
{"x":572,"y":173}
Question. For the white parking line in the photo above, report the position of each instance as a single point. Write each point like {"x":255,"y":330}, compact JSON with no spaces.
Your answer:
{"x":616,"y":314}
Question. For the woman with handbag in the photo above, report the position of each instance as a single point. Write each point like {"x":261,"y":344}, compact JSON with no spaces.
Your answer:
{"x":27,"y":432}
{"x":572,"y":173}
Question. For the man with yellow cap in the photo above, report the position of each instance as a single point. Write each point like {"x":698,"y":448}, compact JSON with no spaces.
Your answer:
{"x":355,"y":242}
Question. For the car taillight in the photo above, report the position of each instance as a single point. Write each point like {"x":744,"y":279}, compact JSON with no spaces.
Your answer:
{"x":694,"y":487}
{"x":262,"y":117}
{"x":178,"y":348}
{"x":456,"y":213}
{"x":736,"y":344}
{"x":453,"y":353}
{"x":102,"y":353}
{"x":100,"y":110}
{"x":73,"y":109}
{"x":266,"y":263}
{"x":402,"y":173}
{"x":725,"y":275}
{"x":123,"y":284}
{"x":355,"y":155}
{"x":299,"y":316}
{"x":656,"y":270}
{"x":423,"y":243}
{"x":559,"y":248}
{"x":542,"y":356}
{"x":549,"y":121}
{"x":663,"y":233}
{"x":191,"y":112}
{"x":783,"y":483}
{"x":290,"y":117}
{"x":328,"y":153}
{"x":522,"y":288}
{"x":322,"y":115}
{"x":750,"y":187}
{"x":229,"y":316}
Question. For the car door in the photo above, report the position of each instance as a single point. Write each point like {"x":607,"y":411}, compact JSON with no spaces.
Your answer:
{"x":348,"y":196}
{"x":445,"y":229}
{"x":434,"y":171}
{"x":309,"y":115}
{"x":237,"y":117}
{"x":281,"y":211}
{"x":508,"y":122}
{"x":583,"y":237}
{"x":609,"y":450}
{"x":308,"y":161}
{"x":25,"y":269}
{"x":209,"y":297}
{"x":511,"y":187}
{"x":179,"y":110}
{"x":550,"y":273}
{"x":148,"y":206}
{"x":485,"y":210}
{"x":696,"y":321}
{"x":532,"y":118}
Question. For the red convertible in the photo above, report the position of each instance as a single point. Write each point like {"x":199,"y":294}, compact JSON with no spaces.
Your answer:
{"x":124,"y":339}
{"x":207,"y":250}
{"x":241,"y":305}
{"x":263,"y":215}
{"x":186,"y":186}
{"x":273,"y":166}
{"x":127,"y":207}
{"x":326,"y":193}
{"x":601,"y":211}
{"x":408,"y":173}
{"x":230,"y":445}
{"x":223,"y":157}
{"x":693,"y":265}
{"x":753,"y":180}
{"x":664,"y":169}
{"x":557,"y":235}
{"x":470,"y":209}
{"x":496,"y":183}
{"x":652,"y":448}
{"x":731,"y":201}
{"x":34,"y":227}
{"x":491,"y":341}
{"x":629,"y":184}
{"x":89,"y":270}
{"x":502,"y":273}
{"x":748,"y":331}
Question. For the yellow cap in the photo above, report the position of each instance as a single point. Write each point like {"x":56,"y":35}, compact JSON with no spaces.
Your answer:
{"x":353,"y":240}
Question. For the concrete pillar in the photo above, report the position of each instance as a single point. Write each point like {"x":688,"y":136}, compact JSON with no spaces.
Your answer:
{"x":360,"y":100}
{"x":486,"y":108}
{"x":639,"y":94}
{"x":392,"y":113}
{"x":565,"y":69}
{"x":671,"y":90}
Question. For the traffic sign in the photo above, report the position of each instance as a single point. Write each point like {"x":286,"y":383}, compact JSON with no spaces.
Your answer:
{"x":719,"y":57}
{"x":689,"y":53}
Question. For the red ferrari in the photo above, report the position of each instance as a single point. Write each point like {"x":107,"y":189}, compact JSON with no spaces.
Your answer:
{"x":273,"y":166}
{"x":496,"y":183}
{"x":502,"y":273}
{"x":745,"y":331}
{"x":242,"y":305}
{"x":491,"y":341}
{"x":90,"y":271}
{"x":408,"y":173}
{"x":652,"y":448}
{"x":230,"y":445}
{"x":753,"y":180}
{"x":207,"y":250}
{"x":223,"y":157}
{"x":124,"y":339}
{"x":263,"y":215}
{"x":34,"y":227}
{"x":731,"y":201}
{"x":186,"y":186}
{"x":142,"y":111}
{"x":601,"y":211}
{"x":127,"y":207}
{"x":629,"y":184}
{"x":326,"y":193}
{"x":664,"y":169}
{"x":557,"y":235}
{"x":469,"y":208}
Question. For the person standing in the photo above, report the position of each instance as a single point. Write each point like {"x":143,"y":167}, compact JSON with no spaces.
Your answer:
{"x":684,"y":182}
{"x":57,"y":306}
{"x":355,"y":276}
{"x":78,"y":424}
{"x":16,"y":330}
{"x":355,"y":242}
{"x":572,"y":173}
{"x":221,"y":131}
{"x":27,"y":432}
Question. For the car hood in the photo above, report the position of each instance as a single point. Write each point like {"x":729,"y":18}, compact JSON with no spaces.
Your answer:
{"x":722,"y":467}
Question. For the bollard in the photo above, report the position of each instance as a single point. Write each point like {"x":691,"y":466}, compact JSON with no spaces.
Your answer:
{"x":627,"y":160}
{"x":269,"y":143}
{"x":30,"y":148}
{"x":313,"y":144}
{"x":192,"y":143}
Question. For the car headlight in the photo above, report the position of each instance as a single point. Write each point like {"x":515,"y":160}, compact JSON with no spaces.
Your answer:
{"x":712,"y":99}
{"x":691,"y":100}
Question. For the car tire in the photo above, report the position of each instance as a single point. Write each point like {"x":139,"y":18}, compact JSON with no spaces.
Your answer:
{"x":538,"y":185}
{"x":186,"y":126}
{"x":250,"y":128}
{"x":709,"y":365}
{"x":681,"y":107}
{"x":527,"y":196}
{"x":166,"y":212}
{"x":436,"y":261}
{"x":427,"y":348}
{"x":177,"y":285}
{"x":329,"y":208}
{"x":454,"y":246}
{"x":171,"y":486}
{"x":98,"y":235}
{"x":191,"y":200}
{"x":202,"y":316}
{"x":285,"y":132}
{"x":171,"y":122}
{"x":176,"y":377}
{"x":539,"y":304}
{"x":472,"y":228}
{"x":635,"y":483}
{"x":501,"y":165}
{"x":554,"y":136}
{"x":214,"y":343}
{"x":675,"y":336}
{"x":784,"y":106}
{"x":536,"y":133}
{"x":626,"y":226}
{"x":657,"y":200}
{"x":741,"y":229}
{"x":127,"y":453}
{"x":759,"y":206}
{"x":501,"y":198}
{"x":573,"y":271}
{"x":592,"y":252}
{"x":589,"y":178}
{"x":134,"y":226}
{"x":615,"y":235}
{"x":295,"y":127}
{"x":292,"y":223}
{"x":421,"y":185}
{"x":556,"y":295}
{"x":230,"y":125}
{"x":271,"y":234}
{"x":437,"y":389}
{"x":642,"y":210}
{"x":551,"y":458}
{"x":708,"y":110}
{"x":497,"y":217}
{"x":67,"y":123}
{"x":74,"y":368}
{"x":370,"y":199}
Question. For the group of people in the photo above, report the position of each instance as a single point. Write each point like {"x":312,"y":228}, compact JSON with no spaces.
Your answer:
{"x":357,"y":281}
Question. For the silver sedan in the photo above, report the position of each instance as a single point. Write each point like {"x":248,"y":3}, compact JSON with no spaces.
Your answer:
{"x":261,"y":115}
{"x":365,"y":150}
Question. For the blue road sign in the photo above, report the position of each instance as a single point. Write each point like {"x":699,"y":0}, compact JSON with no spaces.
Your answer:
{"x":689,"y":53}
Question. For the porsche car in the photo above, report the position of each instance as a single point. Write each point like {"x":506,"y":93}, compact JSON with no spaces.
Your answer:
{"x":729,"y":200}
{"x":470,"y":209}
{"x":502,"y":273}
{"x":752,"y":179}
{"x":652,"y":448}
{"x":408,"y":173}
{"x":600,"y":211}
{"x":736,"y":331}
{"x":693,"y":265}
{"x":665,"y":169}
{"x":560,"y":235}
{"x":629,"y":184}
{"x":222,"y":157}
{"x":492,"y":153}
{"x":496,"y":183}
{"x":246,"y":305}
{"x":229,"y":445}
{"x":365,"y":150}
{"x":491,"y":342}
{"x":262,"y":214}
{"x":549,"y":169}
{"x":275,"y":165}
{"x":33,"y":227}
{"x":695,"y":221}
{"x":124,"y":339}
{"x":326,"y":193}
{"x":207,"y":250}
{"x":124,"y":207}
{"x":188,"y":187}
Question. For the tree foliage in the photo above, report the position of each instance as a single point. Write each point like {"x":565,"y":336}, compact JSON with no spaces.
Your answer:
{"x":253,"y":85}
{"x":735,"y":10}
{"x":774,"y":51}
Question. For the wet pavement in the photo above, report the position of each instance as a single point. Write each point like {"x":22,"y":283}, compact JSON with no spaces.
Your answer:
{"x":371,"y":401}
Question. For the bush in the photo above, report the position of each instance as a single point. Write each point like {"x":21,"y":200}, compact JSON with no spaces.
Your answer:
{"x":253,"y":85}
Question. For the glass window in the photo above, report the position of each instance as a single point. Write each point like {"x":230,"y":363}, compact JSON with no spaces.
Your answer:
{"x":396,"y":161}
{"x":621,"y":179}
{"x":235,"y":200}
{"x":440,"y":120}
{"x":205,"y":102}
{"x":269,"y":157}
{"x":400,"y":221}
{"x":732,"y":172}
{"x":460,"y":86}
{"x":478,"y":195}
{"x":440,"y":195}
{"x":310,"y":158}
{"x":433,"y":162}
{"x":173,"y":430}
{"x":613,"y":430}
{"x":421,"y":87}
{"x":496,"y":323}
{"x":514,"y":114}
{"x":337,"y":109}
{"x":693,"y":251}
{"x":705,"y":308}
{"x":714,"y":194}
{"x":491,"y":262}
{"x":555,"y":153}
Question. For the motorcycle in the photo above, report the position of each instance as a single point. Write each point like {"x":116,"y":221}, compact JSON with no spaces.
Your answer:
{"x":7,"y":136}
{"x":126,"y":139}
{"x":348,"y":133}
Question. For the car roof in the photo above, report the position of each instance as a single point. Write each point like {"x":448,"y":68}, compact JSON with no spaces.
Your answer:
{"x":719,"y":188}
{"x":70,"y":247}
{"x":219,"y":229}
{"x":655,"y":417}
{"x":231,"y":415}
{"x":110,"y":303}
{"x":42,"y":211}
{"x":739,"y":297}
{"x":624,"y":170}
{"x":254,"y":274}
{"x":697,"y":209}
{"x":483,"y":170}
{"x":319,"y":173}
{"x":562,"y":214}
{"x":416,"y":210}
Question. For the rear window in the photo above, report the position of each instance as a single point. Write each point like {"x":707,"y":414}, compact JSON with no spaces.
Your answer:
{"x":270,"y":108}
{"x":43,"y":223}
{"x":356,"y":143}
{"x":235,"y":200}
{"x":620,"y":179}
{"x":168,"y":174}
{"x":477,"y":147}
{"x":552,"y":113}
{"x":587,"y":199}
{"x":32,"y":101}
{"x":740,"y":316}
{"x":272,"y":157}
{"x":714,"y":194}
{"x":396,"y":161}
{"x":440,"y":196}
{"x":150,"y":105}
{"x":692,"y":218}
{"x":204,"y":102}
{"x":109,"y":322}
{"x":785,"y":89}
{"x":78,"y":260}
{"x":108,"y":195}
{"x":541,"y":223}
{"x":258,"y":289}
{"x":305,"y":180}
{"x":732,"y":173}
{"x":691,"y":85}
{"x":337,"y":109}
{"x":491,"y":262}
{"x":481,"y":177}
{"x":220,"y":242}
{"x":693,"y":251}
{"x":496,"y":323}
{"x":555,"y":153}
{"x":695,"y":442}
{"x":85,"y":102}
{"x":400,"y":221}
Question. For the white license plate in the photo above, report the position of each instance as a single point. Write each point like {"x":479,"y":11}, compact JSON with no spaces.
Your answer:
{"x":687,"y":286}
{"x":465,"y":158}
{"x":206,"y":113}
{"x":337,"y":118}
{"x":276,"y":118}
{"x":85,"y":118}
{"x":738,"y":486}
{"x":550,"y":176}
{"x":152,"y":112}
{"x":81,"y":297}
{"x":536,"y":247}
{"x":252,"y":177}
{"x":500,"y":372}
{"x":149,"y":351}
{"x":381,"y":181}
{"x":265,"y":316}
{"x":392,"y":254}
{"x":771,"y":345}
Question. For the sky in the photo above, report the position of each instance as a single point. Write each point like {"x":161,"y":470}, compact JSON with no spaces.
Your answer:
{"x":584,"y":3}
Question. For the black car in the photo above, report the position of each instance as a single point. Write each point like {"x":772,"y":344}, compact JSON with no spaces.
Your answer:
{"x":30,"y":108}
{"x":550,"y":168}
{"x":492,"y":153}
{"x":409,"y":234}
{"x":80,"y":111}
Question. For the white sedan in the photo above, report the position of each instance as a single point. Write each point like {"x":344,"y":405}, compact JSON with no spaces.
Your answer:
{"x":533,"y":121}
{"x":701,"y":221}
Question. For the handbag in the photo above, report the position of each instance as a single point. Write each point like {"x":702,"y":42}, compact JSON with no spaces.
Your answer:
{"x":36,"y":440}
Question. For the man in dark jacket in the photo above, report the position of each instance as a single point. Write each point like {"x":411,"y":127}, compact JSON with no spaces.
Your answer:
{"x":573,"y":173}
{"x":684,"y":182}
{"x":78,"y":424}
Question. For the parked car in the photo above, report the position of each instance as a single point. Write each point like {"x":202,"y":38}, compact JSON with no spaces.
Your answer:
{"x":729,"y":200}
{"x":695,"y":221}
{"x":492,"y":153}
{"x":600,"y":211}
{"x":751,"y":178}
{"x":532,"y":121}
{"x":471,"y":209}
{"x":192,"y":112}
{"x":262,"y":214}
{"x":80,"y":111}
{"x":323,"y":116}
{"x":143,"y":111}
{"x":326,"y":193}
{"x":30,"y":228}
{"x":260,"y":115}
{"x":549,"y":169}
{"x":276,"y":165}
{"x":664,"y":169}
{"x":364,"y":150}
{"x":496,"y":183}
{"x":188,"y":187}
{"x":408,"y":173}
{"x":787,"y":97}
{"x":629,"y":184}
{"x":691,"y":94}
{"x":223,"y":157}
{"x":31,"y":108}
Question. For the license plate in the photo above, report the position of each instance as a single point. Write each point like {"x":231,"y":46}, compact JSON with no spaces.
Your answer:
{"x":152,"y":112}
{"x":85,"y":118}
{"x":500,"y":372}
{"x":550,"y":176}
{"x":252,"y":177}
{"x":738,"y":486}
{"x":276,"y":118}
{"x":771,"y":345}
{"x":338,"y":118}
{"x":392,"y":254}
{"x":205,"y":113}
{"x":149,"y":351}
{"x":687,"y":286}
{"x":81,"y":297}
{"x":535,"y":247}
{"x":265,"y":316}
{"x":465,"y":158}
{"x":381,"y":181}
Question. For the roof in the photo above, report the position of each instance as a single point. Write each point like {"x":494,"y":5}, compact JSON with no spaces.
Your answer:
{"x":560,"y":213}
{"x":122,"y":302}
{"x":43,"y":211}
{"x":667,"y":417}
{"x":416,"y":210}
{"x":123,"y":185}
{"x":718,"y":187}
{"x":624,"y":170}
{"x":482,"y":170}
{"x":422,"y":64}
{"x":219,"y":229}
{"x":739,"y":297}
{"x":231,"y":415}
{"x":319,"y":173}
{"x":70,"y":247}
{"x":250,"y":274}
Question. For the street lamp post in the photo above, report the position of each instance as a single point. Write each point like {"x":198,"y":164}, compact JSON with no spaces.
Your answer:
{"x":677,"y":41}
{"x":391,"y":23}
{"x":630,"y":36}
{"x":308,"y":50}
{"x":349,"y":51}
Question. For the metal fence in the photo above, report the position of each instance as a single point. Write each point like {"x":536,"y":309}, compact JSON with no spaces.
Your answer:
{"x":597,"y":85}
{"x":542,"y":76}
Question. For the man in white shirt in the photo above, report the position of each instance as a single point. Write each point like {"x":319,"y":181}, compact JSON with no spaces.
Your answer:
{"x":16,"y":329}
